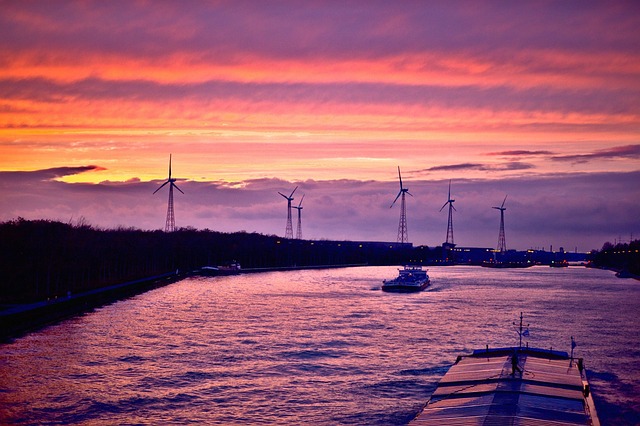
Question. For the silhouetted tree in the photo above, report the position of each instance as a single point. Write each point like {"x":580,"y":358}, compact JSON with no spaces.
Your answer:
{"x":619,"y":257}
{"x":44,"y":259}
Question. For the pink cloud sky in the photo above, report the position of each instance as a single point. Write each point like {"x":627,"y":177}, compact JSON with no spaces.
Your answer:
{"x":245,"y":92}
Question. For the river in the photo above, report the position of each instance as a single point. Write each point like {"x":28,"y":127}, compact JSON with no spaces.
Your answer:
{"x":322,"y":347}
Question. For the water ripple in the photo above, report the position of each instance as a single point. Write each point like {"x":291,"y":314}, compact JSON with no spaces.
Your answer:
{"x":311,"y":347}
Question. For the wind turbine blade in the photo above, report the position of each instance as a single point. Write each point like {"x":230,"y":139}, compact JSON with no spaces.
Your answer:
{"x":399,"y":177}
{"x":505,"y":199}
{"x":161,"y":187}
{"x":176,"y":187}
{"x":294,"y":190}
{"x":299,"y":204}
{"x":394,"y":201}
{"x":449,"y":196}
{"x":169,"y":166}
{"x":409,"y":193}
{"x":443,"y":206}
{"x":283,"y":195}
{"x":453,"y":207}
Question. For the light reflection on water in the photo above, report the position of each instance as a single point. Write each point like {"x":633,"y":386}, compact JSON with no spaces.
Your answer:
{"x":321,"y":347}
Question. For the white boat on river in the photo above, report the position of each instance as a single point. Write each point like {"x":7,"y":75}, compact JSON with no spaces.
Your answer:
{"x":410,"y":279}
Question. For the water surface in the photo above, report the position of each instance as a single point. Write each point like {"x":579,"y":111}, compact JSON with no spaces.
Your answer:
{"x":319,"y":347}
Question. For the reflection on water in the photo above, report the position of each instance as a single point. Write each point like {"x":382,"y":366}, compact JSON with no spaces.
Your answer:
{"x":321,"y":347}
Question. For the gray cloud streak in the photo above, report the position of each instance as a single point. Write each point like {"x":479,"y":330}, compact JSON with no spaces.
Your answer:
{"x":513,"y":165}
{"x":627,"y":151}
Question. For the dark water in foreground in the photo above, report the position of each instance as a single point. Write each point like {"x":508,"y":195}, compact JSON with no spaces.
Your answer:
{"x":316,"y":347}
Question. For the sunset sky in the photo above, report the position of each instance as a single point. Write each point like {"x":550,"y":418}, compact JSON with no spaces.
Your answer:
{"x":538,"y":100}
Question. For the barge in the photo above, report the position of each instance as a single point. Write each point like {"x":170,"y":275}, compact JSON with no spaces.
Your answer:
{"x":512,"y":386}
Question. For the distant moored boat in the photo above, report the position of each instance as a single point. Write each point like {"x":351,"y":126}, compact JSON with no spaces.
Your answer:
{"x":232,"y":268}
{"x":505,"y":265}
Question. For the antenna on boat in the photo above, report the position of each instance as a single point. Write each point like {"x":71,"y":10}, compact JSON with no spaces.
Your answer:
{"x":573,"y":346}
{"x":520,"y":331}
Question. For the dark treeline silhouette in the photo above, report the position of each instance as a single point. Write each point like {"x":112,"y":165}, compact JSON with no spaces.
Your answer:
{"x":44,"y":259}
{"x":619,"y":257}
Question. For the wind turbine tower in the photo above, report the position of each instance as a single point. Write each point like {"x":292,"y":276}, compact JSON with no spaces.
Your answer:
{"x":449,"y":241}
{"x":288,"y":233}
{"x":403,"y":236}
{"x":299,"y":208}
{"x":502,"y":244}
{"x":170,"y":224}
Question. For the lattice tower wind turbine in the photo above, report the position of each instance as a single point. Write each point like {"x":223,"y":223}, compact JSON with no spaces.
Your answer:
{"x":450,"y":223}
{"x":502,"y":244}
{"x":288,"y":233}
{"x":170,"y":224}
{"x":299,"y":229}
{"x":403,"y":235}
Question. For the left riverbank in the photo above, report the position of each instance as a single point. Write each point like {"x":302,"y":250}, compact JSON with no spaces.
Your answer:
{"x":18,"y":319}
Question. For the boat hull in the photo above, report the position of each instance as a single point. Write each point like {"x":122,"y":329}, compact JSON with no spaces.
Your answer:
{"x":404,"y":288}
{"x":212,"y":271}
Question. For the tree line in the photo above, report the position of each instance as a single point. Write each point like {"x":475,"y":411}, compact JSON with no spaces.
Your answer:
{"x":43,"y":259}
{"x":620,"y":257}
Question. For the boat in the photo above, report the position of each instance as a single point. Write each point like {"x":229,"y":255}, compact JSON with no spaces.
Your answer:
{"x":232,"y":268}
{"x":410,"y":279}
{"x":506,"y":265}
{"x":512,"y":386}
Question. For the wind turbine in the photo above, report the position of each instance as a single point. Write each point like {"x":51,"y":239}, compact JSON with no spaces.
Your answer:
{"x":170,"y":225}
{"x":450,"y":223}
{"x":502,"y":244}
{"x":299,"y":208}
{"x":403,"y":236}
{"x":288,"y":233}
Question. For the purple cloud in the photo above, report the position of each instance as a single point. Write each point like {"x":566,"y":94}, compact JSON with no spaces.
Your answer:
{"x":517,"y":153}
{"x":565,"y":209}
{"x":626,"y":151}
{"x":46,"y":174}
{"x":225,"y":30}
{"x":514,"y":165}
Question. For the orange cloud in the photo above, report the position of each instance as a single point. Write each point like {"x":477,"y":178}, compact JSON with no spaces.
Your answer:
{"x":547,"y":68}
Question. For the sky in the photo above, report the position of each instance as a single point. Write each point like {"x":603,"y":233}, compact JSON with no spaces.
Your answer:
{"x":537,"y":101}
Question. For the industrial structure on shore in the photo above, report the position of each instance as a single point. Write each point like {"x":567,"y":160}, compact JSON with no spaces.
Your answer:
{"x":451,"y":252}
{"x":170,"y":224}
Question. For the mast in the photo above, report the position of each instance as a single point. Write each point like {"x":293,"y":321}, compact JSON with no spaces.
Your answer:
{"x":521,"y":332}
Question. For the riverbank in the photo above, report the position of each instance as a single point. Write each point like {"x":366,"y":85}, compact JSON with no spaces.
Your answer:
{"x":19,"y":319}
{"x":618,"y":272}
